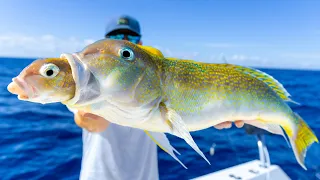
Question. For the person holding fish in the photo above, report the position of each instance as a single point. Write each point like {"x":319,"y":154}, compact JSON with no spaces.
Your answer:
{"x":145,"y":95}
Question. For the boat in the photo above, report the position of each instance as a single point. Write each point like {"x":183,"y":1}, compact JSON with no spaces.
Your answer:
{"x":259,"y":169}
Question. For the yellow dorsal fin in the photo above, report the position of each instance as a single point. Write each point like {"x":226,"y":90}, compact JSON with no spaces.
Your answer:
{"x":152,"y":50}
{"x":171,"y":58}
{"x":267,"y":79}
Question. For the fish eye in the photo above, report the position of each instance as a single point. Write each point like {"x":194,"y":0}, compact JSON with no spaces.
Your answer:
{"x":49,"y":70}
{"x":126,"y":54}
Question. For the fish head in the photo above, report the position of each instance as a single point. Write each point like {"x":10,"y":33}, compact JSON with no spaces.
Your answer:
{"x":44,"y":81}
{"x":125,"y":70}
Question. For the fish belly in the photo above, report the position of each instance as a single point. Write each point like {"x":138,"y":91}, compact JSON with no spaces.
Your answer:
{"x":219,"y":112}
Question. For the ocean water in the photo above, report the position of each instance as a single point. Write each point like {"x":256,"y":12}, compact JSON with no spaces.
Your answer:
{"x":42,"y":141}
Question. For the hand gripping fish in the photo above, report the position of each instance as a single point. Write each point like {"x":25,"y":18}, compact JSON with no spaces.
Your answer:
{"x":136,"y":86}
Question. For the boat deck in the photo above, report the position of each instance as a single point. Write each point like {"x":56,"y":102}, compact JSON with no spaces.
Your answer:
{"x":252,"y":170}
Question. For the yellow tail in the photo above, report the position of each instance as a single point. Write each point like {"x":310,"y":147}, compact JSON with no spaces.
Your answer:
{"x":301,"y":140}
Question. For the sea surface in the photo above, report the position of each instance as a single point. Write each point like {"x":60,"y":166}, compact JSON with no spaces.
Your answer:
{"x":42,"y":141}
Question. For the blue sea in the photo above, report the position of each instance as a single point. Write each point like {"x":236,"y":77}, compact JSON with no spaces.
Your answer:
{"x":42,"y":141}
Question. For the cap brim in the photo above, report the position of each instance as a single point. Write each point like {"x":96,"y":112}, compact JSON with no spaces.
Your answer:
{"x":124,"y":27}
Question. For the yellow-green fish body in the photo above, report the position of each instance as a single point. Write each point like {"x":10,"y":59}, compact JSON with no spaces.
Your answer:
{"x":218,"y":92}
{"x":204,"y":95}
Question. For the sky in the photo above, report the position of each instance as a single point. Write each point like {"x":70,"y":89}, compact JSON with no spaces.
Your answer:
{"x":265,"y":33}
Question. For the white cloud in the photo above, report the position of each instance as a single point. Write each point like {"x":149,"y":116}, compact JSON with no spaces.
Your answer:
{"x":302,"y":55}
{"x":236,"y":58}
{"x":302,"y":60}
{"x":19,"y":45}
{"x":291,"y":61}
{"x":241,"y":57}
{"x":221,"y":45}
{"x":213,"y":45}
{"x":225,"y":45}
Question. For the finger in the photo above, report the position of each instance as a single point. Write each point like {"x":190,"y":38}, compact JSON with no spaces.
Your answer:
{"x":95,"y":123}
{"x":79,"y":120}
{"x":223,"y":125}
{"x":90,"y":128}
{"x":91,"y":122}
{"x":84,"y":122}
{"x":81,"y":113}
{"x":86,"y":118}
{"x":227,"y":125}
{"x":219,"y":126}
{"x":91,"y":116}
{"x":239,"y":124}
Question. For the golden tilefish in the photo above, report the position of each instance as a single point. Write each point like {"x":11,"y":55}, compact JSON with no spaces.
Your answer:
{"x":136,"y":86}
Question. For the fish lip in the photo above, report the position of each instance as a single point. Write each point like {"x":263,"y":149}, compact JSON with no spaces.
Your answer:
{"x":35,"y":91}
{"x":29,"y":90}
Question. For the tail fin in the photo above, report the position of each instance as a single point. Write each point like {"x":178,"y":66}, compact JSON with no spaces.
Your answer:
{"x":302,"y":140}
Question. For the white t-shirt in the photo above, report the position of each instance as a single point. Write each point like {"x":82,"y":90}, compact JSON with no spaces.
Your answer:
{"x":118,"y":153}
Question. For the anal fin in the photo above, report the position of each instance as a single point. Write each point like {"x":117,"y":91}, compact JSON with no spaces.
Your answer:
{"x":272,"y":128}
{"x":162,"y":141}
{"x":179,"y":128}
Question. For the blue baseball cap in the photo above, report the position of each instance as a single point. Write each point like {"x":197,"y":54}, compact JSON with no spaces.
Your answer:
{"x":123,"y":22}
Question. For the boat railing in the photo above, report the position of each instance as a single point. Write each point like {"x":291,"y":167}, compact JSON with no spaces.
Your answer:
{"x":262,"y":147}
{"x":253,"y":170}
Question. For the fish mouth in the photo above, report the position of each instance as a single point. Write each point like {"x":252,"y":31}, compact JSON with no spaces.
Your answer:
{"x":21,"y":88}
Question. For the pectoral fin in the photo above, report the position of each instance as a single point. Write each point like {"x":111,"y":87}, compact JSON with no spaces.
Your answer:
{"x":162,"y":141}
{"x":179,"y":128}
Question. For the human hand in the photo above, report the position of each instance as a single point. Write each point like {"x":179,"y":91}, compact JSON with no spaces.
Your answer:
{"x":228,"y":124}
{"x":90,"y":122}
